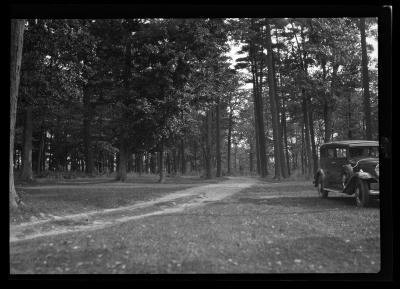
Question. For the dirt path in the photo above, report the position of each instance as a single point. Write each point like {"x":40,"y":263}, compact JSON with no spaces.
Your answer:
{"x":94,"y":220}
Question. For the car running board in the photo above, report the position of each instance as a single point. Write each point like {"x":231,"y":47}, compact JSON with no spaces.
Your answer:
{"x":371,"y":192}
{"x":332,"y":190}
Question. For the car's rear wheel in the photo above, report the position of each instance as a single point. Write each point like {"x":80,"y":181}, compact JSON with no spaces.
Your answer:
{"x":361,"y":193}
{"x":320,"y":188}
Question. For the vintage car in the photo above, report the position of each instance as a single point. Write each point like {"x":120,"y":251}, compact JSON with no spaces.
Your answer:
{"x":349,"y":167}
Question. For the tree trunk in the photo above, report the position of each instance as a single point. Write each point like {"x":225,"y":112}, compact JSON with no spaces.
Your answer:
{"x":257,"y":142}
{"x":327,"y":102}
{"x":147,"y":163}
{"x":121,"y":176}
{"x":218,"y":139}
{"x":161,"y":165}
{"x":258,"y":107}
{"x":130,"y":163}
{"x":168,"y":164}
{"x":17,"y":38}
{"x":175,"y":161}
{"x":283,"y":119}
{"x":302,"y":153}
{"x":183,"y":159}
{"x":349,"y":132}
{"x":229,"y":142}
{"x":261,"y":134}
{"x":153,"y":164}
{"x":274,"y":106}
{"x":284,"y":127}
{"x":308,"y":155}
{"x":312,"y":136}
{"x":87,"y":131}
{"x":141,"y":163}
{"x":208,"y":145}
{"x":41,"y":152}
{"x":326,"y":107}
{"x":195,"y":157}
{"x":27,"y":174}
{"x":251,"y":158}
{"x":365,"y":80}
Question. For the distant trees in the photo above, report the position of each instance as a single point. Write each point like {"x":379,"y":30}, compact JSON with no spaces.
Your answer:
{"x":101,"y":96}
{"x":315,"y":75}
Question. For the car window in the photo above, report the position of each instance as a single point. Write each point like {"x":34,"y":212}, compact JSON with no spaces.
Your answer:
{"x":331,"y":153}
{"x":364,"y":152}
{"x":374,"y":152}
{"x":341,"y":153}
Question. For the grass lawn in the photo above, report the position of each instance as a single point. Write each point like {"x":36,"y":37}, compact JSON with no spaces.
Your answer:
{"x":46,"y":197}
{"x":268,"y":228}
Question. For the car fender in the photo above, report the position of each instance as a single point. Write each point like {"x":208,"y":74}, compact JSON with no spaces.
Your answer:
{"x":352,"y":183}
{"x":364,"y":175}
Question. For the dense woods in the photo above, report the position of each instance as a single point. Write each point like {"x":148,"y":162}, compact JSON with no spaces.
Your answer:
{"x":162,"y":96}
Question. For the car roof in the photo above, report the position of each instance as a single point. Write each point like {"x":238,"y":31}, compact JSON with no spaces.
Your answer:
{"x":351,"y":143}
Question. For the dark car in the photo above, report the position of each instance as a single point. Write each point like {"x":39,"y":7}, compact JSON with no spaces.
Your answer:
{"x":349,"y":167}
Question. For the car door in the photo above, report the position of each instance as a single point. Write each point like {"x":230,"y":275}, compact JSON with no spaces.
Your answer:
{"x":328,"y":165}
{"x":340,"y":159}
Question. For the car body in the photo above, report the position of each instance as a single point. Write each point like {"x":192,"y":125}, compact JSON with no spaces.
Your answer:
{"x":349,"y":167}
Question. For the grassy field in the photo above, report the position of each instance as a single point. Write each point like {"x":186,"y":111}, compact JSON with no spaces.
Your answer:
{"x":46,"y":197}
{"x":267,"y":228}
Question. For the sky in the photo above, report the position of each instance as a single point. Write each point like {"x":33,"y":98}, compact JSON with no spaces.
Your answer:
{"x":235,"y":48}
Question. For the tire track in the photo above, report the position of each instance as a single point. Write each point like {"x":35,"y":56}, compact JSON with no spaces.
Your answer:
{"x":95,"y":220}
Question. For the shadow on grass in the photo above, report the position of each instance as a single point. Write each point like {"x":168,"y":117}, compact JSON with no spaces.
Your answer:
{"x":143,"y":179}
{"x":307,"y":202}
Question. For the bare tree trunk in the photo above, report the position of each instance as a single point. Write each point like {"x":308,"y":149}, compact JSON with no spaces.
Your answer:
{"x":285,"y":170}
{"x":307,"y":136}
{"x":365,"y":80}
{"x":141,"y":163}
{"x":284,"y":126}
{"x":161,"y":165}
{"x":17,"y":39}
{"x":87,"y":131}
{"x":258,"y":107}
{"x":312,"y":136}
{"x":256,"y":142}
{"x":303,"y":159}
{"x":183,"y":159}
{"x":27,"y":155}
{"x":208,"y":145}
{"x":229,"y":142}
{"x":153,"y":163}
{"x":327,"y":108}
{"x":147,"y":163}
{"x":218,"y":139}
{"x":274,"y":106}
{"x":195,"y":158}
{"x":41,"y":151}
{"x":251,"y":158}
{"x":236,"y":149}
{"x":168,"y":163}
{"x":349,"y":133}
{"x":122,"y":160}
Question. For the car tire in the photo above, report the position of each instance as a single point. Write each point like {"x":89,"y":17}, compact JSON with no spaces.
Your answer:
{"x":361,"y":193}
{"x":320,"y":188}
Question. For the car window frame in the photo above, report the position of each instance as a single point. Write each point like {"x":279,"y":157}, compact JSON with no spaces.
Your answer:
{"x":345,"y":150}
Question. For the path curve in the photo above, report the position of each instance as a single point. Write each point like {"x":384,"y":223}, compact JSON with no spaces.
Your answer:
{"x":95,"y":220}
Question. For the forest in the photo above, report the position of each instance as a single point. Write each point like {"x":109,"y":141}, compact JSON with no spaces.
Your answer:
{"x":111,"y":97}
